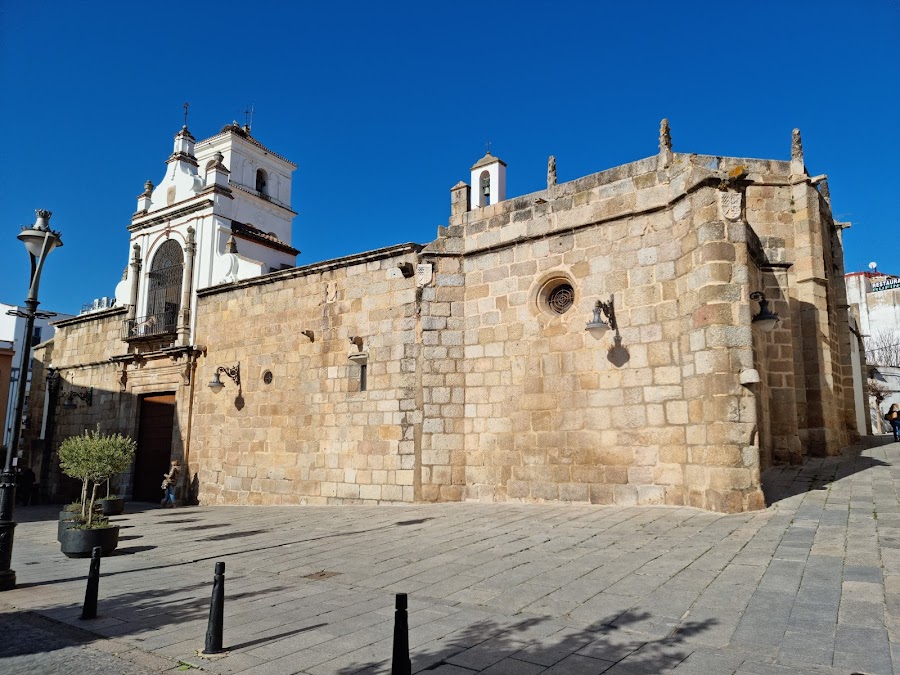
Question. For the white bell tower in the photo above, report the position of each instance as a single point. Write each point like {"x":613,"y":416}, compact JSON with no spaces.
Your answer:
{"x":488,"y":181}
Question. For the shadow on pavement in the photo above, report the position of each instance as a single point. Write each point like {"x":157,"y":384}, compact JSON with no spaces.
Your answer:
{"x":589,"y":650}
{"x":128,"y":614}
{"x":417,"y":521}
{"x":36,"y":514}
{"x":193,"y":528}
{"x":131,"y":550}
{"x":232,"y":535}
{"x":272,"y":638}
{"x":816,"y":473}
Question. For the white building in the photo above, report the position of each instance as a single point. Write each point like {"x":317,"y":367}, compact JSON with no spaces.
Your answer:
{"x":874,"y":299}
{"x":12,"y":329}
{"x":221,"y":213}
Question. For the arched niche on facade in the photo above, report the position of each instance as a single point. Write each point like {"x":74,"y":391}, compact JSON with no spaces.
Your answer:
{"x":164,"y":288}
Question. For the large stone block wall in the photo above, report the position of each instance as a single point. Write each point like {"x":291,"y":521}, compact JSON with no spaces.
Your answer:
{"x":88,"y":354}
{"x":311,"y":436}
{"x":548,"y":414}
{"x":810,"y":373}
{"x":475,"y":389}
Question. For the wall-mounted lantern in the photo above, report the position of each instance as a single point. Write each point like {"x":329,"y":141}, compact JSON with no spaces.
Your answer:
{"x":233,"y":372}
{"x":597,"y":327}
{"x":766,"y":319}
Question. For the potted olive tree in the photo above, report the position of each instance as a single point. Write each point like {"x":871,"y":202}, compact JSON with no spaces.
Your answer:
{"x":121,"y":457}
{"x":92,"y":458}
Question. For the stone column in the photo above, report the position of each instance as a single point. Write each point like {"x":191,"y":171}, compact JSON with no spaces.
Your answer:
{"x":135,"y":281}
{"x":184,"y":321}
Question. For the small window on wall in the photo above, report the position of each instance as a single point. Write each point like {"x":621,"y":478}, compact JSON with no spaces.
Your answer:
{"x":262,"y":182}
{"x":363,"y":377}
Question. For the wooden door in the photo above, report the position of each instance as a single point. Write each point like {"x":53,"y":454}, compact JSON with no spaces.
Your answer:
{"x":154,"y":450}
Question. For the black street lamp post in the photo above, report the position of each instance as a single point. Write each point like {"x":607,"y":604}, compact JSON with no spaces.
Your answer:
{"x":39,"y":240}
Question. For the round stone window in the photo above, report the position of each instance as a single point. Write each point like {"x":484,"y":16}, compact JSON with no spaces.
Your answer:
{"x":554,"y":295}
{"x":267,"y":377}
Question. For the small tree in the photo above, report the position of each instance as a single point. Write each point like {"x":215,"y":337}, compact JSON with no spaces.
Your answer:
{"x":94,"y":457}
{"x":883,"y":348}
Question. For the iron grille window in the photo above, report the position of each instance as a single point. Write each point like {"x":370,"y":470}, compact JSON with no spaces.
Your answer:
{"x":561,"y":298}
{"x":164,"y":295}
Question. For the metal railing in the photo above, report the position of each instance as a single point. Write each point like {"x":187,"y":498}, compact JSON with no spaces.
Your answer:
{"x":163,"y":323}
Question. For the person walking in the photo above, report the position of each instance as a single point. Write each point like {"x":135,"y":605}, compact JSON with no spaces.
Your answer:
{"x":893,"y":417}
{"x":170,"y":480}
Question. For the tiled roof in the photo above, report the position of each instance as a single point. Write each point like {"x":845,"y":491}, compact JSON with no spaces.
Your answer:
{"x":252,"y":233}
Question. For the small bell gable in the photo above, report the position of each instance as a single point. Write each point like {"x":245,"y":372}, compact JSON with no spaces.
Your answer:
{"x":488,"y":181}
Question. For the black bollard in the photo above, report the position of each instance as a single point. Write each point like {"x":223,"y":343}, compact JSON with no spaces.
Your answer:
{"x":89,"y":611}
{"x":216,"y":613}
{"x":400,"y":663}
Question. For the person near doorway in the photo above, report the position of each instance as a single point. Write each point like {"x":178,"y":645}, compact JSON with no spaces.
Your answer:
{"x":893,"y":417}
{"x":170,"y":480}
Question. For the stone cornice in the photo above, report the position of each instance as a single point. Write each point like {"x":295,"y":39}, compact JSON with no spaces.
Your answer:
{"x":188,"y":206}
{"x":247,"y":138}
{"x":218,"y":190}
{"x":90,"y":316}
{"x":182,"y":157}
{"x":316,"y":268}
{"x":252,"y":193}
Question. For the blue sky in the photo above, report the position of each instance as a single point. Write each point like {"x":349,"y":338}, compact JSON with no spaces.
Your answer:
{"x":384,"y":106}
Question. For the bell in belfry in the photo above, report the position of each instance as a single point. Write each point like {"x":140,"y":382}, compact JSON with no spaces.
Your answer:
{"x":486,"y":186}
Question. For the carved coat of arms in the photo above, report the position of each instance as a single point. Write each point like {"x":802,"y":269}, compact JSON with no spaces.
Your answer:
{"x":730,"y":205}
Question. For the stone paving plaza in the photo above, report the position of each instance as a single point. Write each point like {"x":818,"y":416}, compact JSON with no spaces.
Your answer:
{"x":811,"y":585}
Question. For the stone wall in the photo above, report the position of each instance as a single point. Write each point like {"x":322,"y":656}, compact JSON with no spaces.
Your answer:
{"x":693,"y":401}
{"x":311,"y":435}
{"x":444,"y":372}
{"x":88,"y":355}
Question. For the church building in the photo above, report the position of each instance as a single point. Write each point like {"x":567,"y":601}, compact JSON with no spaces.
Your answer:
{"x":655,"y":333}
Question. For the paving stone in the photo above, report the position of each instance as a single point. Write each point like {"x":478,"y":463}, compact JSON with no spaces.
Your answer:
{"x":871,"y":663}
{"x":510,"y":666}
{"x":746,"y":592}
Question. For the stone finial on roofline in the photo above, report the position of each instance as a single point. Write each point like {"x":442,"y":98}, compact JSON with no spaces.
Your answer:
{"x":665,"y":136}
{"x":825,"y":191}
{"x":796,"y":145}
{"x":665,"y":145}
{"x":797,"y":165}
{"x":551,"y":172}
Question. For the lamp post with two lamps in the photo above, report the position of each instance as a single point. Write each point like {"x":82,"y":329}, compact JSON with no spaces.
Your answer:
{"x":39,"y":240}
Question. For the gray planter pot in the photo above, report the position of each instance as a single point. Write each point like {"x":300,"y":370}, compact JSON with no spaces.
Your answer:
{"x":80,"y":543}
{"x":65,"y":524}
{"x":113,"y":507}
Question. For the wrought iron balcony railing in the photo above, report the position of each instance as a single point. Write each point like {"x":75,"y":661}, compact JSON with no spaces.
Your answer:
{"x":153,"y":325}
